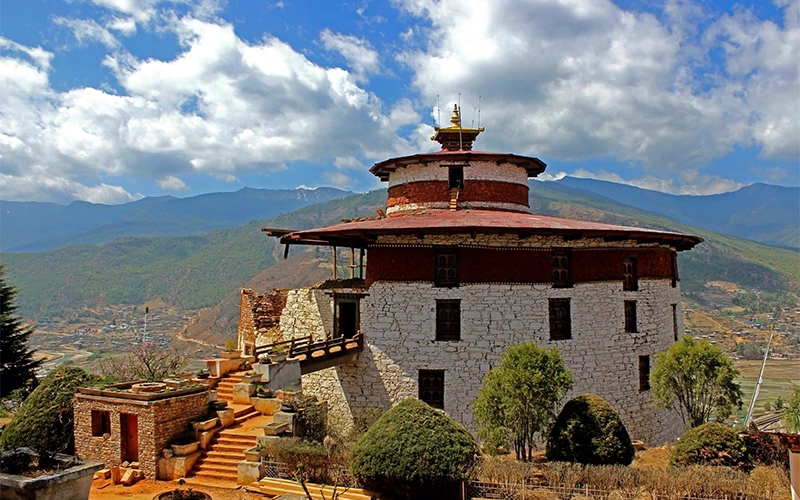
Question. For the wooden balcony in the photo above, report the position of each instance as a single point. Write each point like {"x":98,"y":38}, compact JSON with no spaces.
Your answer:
{"x":315,"y":356}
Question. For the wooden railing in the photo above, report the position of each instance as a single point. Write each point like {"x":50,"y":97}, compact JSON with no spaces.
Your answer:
{"x":314,"y":356}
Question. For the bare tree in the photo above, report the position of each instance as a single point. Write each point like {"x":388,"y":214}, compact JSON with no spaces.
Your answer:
{"x":146,"y":361}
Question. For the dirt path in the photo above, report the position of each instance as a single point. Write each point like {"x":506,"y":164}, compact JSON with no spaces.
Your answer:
{"x":147,"y":489}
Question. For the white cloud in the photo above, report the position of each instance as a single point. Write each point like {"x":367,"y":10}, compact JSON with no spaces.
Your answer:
{"x":126,"y":26}
{"x":358,"y":53}
{"x":172,"y":183}
{"x":338,"y":179}
{"x":579,"y":79}
{"x":61,"y":190}
{"x":348,"y":163}
{"x":222,"y":107}
{"x":690,"y":181}
{"x":88,"y":30}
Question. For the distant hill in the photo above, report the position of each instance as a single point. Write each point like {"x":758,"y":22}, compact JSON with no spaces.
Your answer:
{"x":37,"y":227}
{"x":760,"y":212}
{"x":190,"y":272}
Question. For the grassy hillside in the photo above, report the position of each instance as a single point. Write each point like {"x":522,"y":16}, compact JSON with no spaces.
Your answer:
{"x":200,"y":271}
{"x":189,"y":272}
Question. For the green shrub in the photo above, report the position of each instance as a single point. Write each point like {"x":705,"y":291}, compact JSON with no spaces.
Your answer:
{"x":312,"y":415}
{"x":710,"y":444}
{"x":589,"y":431}
{"x":44,"y":421}
{"x":309,"y":458}
{"x":413,"y":449}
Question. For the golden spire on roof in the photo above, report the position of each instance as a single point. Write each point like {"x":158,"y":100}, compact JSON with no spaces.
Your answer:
{"x":456,"y":137}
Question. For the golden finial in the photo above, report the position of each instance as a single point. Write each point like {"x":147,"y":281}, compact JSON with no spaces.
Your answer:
{"x":456,"y":118}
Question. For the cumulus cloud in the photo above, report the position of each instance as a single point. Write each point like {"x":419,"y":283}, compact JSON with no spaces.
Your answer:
{"x":88,"y":30}
{"x":172,"y":183}
{"x":222,"y":107}
{"x":358,"y":53}
{"x":583,"y":79}
{"x":61,"y":190}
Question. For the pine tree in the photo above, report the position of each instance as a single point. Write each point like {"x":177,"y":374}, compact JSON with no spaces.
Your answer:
{"x":17,"y":366}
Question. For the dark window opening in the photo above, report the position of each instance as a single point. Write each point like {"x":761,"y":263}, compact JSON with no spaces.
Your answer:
{"x":101,"y":422}
{"x":630,"y":278}
{"x":456,"y":178}
{"x":431,"y":387}
{"x":644,"y":373}
{"x":448,"y":320}
{"x":675,"y":322}
{"x":561,"y":265}
{"x":446,"y":267}
{"x":673,"y":264}
{"x":347,"y":319}
{"x":560,"y":321}
{"x":630,"y":316}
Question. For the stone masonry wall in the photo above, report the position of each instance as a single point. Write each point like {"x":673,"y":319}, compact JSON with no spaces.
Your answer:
{"x":259,"y":313}
{"x":398,"y":320}
{"x":477,"y":170}
{"x":160,"y":422}
{"x":308,"y":311}
{"x":510,"y":240}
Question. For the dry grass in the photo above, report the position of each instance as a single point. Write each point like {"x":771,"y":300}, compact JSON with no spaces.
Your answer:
{"x":649,"y":476}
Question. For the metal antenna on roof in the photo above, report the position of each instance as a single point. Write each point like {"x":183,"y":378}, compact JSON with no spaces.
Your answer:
{"x":474,"y":110}
{"x":479,"y":111}
{"x":439,"y":112}
{"x":460,"y":138}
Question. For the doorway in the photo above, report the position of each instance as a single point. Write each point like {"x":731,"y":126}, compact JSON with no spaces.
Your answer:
{"x":129,"y":437}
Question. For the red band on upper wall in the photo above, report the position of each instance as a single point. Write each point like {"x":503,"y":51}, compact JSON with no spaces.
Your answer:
{"x":473,"y":191}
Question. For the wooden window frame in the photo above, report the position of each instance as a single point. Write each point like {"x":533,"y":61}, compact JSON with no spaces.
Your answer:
{"x":674,"y":322}
{"x":630,"y":275}
{"x":448,"y":327}
{"x":631,"y":323}
{"x":673,"y":267}
{"x":455,"y":177}
{"x":562,"y":268}
{"x":428,"y":392}
{"x":101,"y":423}
{"x":560,"y":328}
{"x":644,"y":373}
{"x":446,"y":262}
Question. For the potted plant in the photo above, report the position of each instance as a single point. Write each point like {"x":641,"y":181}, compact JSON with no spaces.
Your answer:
{"x":278,"y":353}
{"x":202,"y":374}
{"x":264,"y":392}
{"x":230,"y":350}
{"x":251,"y":377}
{"x":181,"y":494}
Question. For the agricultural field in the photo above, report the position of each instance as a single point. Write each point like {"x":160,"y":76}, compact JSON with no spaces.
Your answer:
{"x":780,"y":377}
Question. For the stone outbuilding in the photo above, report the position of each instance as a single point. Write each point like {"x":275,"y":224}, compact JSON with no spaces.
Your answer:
{"x":116,"y":425}
{"x":457,"y":269}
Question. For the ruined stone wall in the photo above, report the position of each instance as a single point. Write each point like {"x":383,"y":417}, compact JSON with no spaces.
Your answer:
{"x":398,"y":320}
{"x":160,"y":422}
{"x":259,"y":314}
{"x":308,"y":311}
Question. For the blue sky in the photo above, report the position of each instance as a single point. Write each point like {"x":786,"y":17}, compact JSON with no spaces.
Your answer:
{"x":111,"y":100}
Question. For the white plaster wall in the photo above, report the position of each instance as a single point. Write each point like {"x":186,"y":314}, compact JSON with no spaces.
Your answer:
{"x":491,"y":205}
{"x":398,"y":320}
{"x":308,"y":311}
{"x":477,"y":170}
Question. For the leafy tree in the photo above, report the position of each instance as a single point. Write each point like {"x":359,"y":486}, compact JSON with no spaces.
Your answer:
{"x":413,"y":450}
{"x":589,"y":431}
{"x":17,"y":366}
{"x":45,"y":420}
{"x":520,"y":396}
{"x":698,"y":379}
{"x":790,"y":414}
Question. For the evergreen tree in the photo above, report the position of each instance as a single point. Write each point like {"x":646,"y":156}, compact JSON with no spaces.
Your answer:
{"x":17,"y":366}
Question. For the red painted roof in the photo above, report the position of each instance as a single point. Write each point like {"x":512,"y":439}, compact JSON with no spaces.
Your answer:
{"x":361,"y":232}
{"x":534,"y":166}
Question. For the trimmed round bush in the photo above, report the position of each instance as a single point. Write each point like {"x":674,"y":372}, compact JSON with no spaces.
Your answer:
{"x":413,"y":450}
{"x":712,"y":443}
{"x":589,"y":431}
{"x":44,"y":421}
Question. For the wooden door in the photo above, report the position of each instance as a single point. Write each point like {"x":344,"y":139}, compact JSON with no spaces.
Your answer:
{"x":129,"y":437}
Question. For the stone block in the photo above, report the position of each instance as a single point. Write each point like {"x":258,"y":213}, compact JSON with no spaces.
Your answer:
{"x":128,"y":478}
{"x":284,"y":375}
{"x":225,"y":417}
{"x":275,"y":428}
{"x":116,"y":475}
{"x":249,"y":472}
{"x":266,"y":406}
{"x":242,"y":393}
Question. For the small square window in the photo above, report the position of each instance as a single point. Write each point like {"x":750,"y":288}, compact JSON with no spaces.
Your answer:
{"x":455,"y":178}
{"x":630,"y":279}
{"x":561,"y":268}
{"x":630,"y":316}
{"x":644,"y":373}
{"x":446,"y":267}
{"x":431,"y":387}
{"x":101,"y":422}
{"x":560,"y":320}
{"x":448,"y":320}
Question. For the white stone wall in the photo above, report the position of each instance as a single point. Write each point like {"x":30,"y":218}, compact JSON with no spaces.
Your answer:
{"x":308,"y":311}
{"x":477,"y":170}
{"x":493,"y":205}
{"x":398,"y":320}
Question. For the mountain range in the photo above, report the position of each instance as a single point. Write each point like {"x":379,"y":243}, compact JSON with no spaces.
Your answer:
{"x":38,"y":227}
{"x":202,"y":271}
